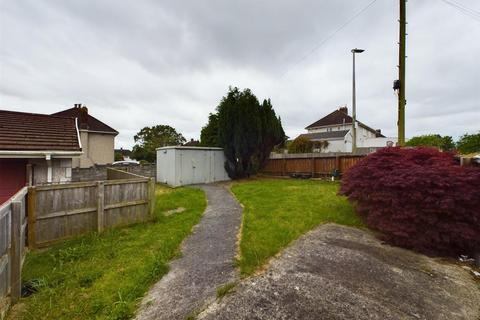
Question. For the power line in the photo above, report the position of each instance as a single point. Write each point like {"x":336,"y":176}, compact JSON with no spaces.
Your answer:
{"x":463,"y":9}
{"x":333,"y":34}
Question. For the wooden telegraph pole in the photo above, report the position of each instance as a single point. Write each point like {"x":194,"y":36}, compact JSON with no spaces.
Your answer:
{"x":401,"y":72}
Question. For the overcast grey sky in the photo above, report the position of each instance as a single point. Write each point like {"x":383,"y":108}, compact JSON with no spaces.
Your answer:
{"x":141,"y":63}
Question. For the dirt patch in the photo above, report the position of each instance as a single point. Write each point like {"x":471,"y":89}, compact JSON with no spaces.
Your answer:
{"x":337,"y":272}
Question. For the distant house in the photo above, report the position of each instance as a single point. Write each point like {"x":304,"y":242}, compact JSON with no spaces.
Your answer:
{"x":336,"y":128}
{"x":98,"y":139}
{"x":35,"y":149}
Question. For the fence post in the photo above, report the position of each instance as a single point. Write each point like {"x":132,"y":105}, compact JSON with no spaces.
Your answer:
{"x":151,"y":197}
{"x":313,"y":166}
{"x":15,"y":253}
{"x":100,"y":205}
{"x":32,"y":218}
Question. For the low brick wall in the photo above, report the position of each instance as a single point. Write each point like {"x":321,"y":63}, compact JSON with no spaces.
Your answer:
{"x":99,"y":172}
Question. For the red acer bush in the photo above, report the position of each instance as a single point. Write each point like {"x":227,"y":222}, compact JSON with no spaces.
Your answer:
{"x":418,"y":199}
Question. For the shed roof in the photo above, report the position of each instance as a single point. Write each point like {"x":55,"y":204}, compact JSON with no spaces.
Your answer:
{"x":20,"y":131}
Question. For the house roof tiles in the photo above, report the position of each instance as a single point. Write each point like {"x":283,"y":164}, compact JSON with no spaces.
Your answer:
{"x":20,"y":131}
{"x":92,"y":123}
{"x":340,"y":117}
{"x":325,"y":135}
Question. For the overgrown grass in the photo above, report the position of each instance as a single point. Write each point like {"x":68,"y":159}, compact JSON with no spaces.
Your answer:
{"x":105,"y":276}
{"x":278,"y":211}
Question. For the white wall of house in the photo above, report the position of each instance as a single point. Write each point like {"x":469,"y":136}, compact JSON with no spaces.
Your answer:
{"x":330,"y":128}
{"x":98,"y":148}
{"x":335,"y":146}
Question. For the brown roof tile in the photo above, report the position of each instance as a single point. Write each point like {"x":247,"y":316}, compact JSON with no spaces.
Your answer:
{"x":20,"y":131}
{"x":339,"y":117}
{"x":92,"y":123}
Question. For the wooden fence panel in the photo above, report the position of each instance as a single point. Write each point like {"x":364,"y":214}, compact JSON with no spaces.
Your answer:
{"x":274,"y":166}
{"x":314,"y":164}
{"x":299,"y":165}
{"x":126,"y":203}
{"x":63,"y":211}
{"x":12,"y":248}
{"x":348,"y":162}
{"x":324,"y":165}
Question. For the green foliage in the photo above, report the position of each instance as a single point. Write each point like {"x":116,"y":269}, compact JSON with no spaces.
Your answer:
{"x":118,"y":156}
{"x":300,"y":145}
{"x":279,"y":211}
{"x":209,"y":133}
{"x":105,"y":276}
{"x":150,"y":138}
{"x":444,"y":143}
{"x":304,"y":145}
{"x":245,"y":129}
{"x":469,"y":143}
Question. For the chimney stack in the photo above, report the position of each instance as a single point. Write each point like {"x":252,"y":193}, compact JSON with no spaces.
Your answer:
{"x":83,"y":116}
{"x":344,"y":109}
{"x":378,"y":132}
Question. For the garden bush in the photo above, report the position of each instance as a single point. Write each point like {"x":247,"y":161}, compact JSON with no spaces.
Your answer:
{"x":418,"y":198}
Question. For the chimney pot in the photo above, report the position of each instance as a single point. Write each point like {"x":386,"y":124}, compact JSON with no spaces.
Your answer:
{"x":83,"y":117}
{"x":343,"y":109}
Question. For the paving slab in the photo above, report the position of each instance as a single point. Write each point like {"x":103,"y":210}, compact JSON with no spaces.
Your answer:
{"x":337,"y":272}
{"x":207,"y":261}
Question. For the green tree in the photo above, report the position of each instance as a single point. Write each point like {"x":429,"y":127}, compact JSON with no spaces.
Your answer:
{"x":246,"y":130}
{"x":209,"y":133}
{"x":150,"y":138}
{"x":444,"y":143}
{"x":301,"y":144}
{"x":469,"y":143}
{"x":118,"y":156}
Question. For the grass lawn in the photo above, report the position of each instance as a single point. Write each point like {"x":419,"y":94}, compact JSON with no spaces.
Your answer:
{"x":278,"y":211}
{"x":105,"y":276}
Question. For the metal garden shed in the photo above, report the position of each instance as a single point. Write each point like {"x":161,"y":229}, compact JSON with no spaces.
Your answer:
{"x":178,"y":166}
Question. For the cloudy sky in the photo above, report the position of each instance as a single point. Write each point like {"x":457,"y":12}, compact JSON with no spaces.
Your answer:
{"x":141,"y":63}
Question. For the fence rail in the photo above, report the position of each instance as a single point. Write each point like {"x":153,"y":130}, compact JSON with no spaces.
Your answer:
{"x":13,"y":224}
{"x":310,"y":164}
{"x":59,"y":212}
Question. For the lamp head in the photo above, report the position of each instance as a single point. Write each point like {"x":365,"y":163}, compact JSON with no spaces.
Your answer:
{"x":357,"y":50}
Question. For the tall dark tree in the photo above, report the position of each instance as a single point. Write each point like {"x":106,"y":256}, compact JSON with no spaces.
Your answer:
{"x":246,"y":130}
{"x":150,"y":138}
{"x":272,"y":133}
{"x":209,"y":133}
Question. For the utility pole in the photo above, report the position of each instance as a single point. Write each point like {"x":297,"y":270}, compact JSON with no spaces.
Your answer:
{"x":354,"y":103}
{"x":401,"y":72}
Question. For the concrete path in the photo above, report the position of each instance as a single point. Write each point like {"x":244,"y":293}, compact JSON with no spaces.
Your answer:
{"x":207,"y":262}
{"x":337,"y":273}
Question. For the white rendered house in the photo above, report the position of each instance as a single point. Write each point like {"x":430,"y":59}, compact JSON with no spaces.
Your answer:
{"x":336,"y":128}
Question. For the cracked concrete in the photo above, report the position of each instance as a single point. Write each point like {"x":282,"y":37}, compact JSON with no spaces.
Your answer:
{"x":337,"y":272}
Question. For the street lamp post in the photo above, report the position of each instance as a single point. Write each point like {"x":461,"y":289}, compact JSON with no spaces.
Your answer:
{"x":354,"y":104}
